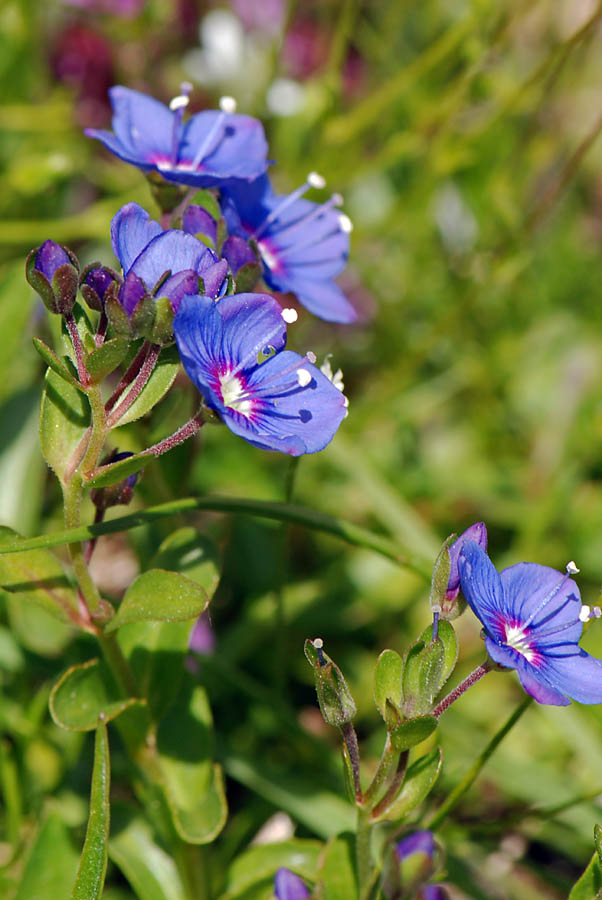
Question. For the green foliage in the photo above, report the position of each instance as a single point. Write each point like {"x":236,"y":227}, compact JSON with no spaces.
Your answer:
{"x":90,"y":878}
{"x":160,"y":596}
{"x":157,"y":386}
{"x":64,"y":420}
{"x":85,"y":693}
{"x":51,"y":864}
{"x":259,"y":864}
{"x":387,"y":686}
{"x":417,"y":785}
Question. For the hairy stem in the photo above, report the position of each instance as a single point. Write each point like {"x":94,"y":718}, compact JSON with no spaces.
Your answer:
{"x":178,"y":437}
{"x":82,"y":372}
{"x":463,"y":785}
{"x":128,"y":377}
{"x":350,"y":738}
{"x":393,"y":789}
{"x":72,"y":493}
{"x":471,"y":679}
{"x":140,"y":381}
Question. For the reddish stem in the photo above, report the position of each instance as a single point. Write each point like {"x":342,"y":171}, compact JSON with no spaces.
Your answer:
{"x":128,"y":377}
{"x":178,"y":437}
{"x":461,"y":688}
{"x":350,"y":738}
{"x":78,"y":349}
{"x":141,"y":379}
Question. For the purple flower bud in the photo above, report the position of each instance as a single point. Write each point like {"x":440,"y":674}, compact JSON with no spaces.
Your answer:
{"x":451,"y":602}
{"x":97,"y":283}
{"x":416,"y":854}
{"x":418,"y":842}
{"x":116,"y":494}
{"x":288,"y":886}
{"x":52,"y":270}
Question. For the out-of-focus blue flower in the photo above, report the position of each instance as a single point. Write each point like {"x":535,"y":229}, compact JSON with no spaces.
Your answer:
{"x":303,"y":245}
{"x":416,"y":853}
{"x":273,"y":398}
{"x":531,"y":619}
{"x":476,"y":533}
{"x":210,"y":147}
{"x":53,"y":271}
{"x":417,"y":842}
{"x":288,"y":886}
{"x":161,"y":263}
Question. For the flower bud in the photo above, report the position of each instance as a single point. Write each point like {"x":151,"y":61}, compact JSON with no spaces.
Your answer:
{"x":288,"y":886}
{"x":446,"y":598}
{"x":417,"y":854}
{"x":116,"y":494}
{"x":52,"y":270}
{"x":336,"y":703}
{"x":97,"y":284}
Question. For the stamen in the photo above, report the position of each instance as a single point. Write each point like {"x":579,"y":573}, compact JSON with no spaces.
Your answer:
{"x":571,"y":568}
{"x":315,"y":213}
{"x":585,"y":613}
{"x":318,"y":644}
{"x":303,"y":377}
{"x":203,"y":150}
{"x":227,"y":105}
{"x":287,"y":200}
{"x":345,"y":223}
{"x":177,"y":105}
{"x":549,"y":597}
{"x":315,"y":180}
{"x":311,"y":357}
{"x":289,"y":315}
{"x":179,"y":102}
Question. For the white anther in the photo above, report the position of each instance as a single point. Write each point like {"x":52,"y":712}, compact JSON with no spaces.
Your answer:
{"x":318,"y":643}
{"x":596,"y":612}
{"x":289,"y":315}
{"x":571,"y":568}
{"x":303,"y":377}
{"x":346,"y":404}
{"x":227,"y":104}
{"x":585,"y":613}
{"x":179,"y":102}
{"x":337,"y":199}
{"x":345,"y":223}
{"x":311,"y":357}
{"x":315,"y":180}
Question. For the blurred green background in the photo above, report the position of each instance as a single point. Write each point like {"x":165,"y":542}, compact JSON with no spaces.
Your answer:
{"x":464,"y":137}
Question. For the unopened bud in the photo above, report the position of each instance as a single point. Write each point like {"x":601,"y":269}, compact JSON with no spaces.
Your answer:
{"x":116,"y":494}
{"x":97,"y":283}
{"x":52,"y":270}
{"x":336,"y":703}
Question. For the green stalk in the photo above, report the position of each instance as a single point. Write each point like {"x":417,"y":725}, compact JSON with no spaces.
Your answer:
{"x":386,"y":769}
{"x":460,"y":789}
{"x":363,"y":854}
{"x":282,"y":512}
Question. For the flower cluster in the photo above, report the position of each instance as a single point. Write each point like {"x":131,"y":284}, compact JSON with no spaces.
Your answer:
{"x":191,"y":277}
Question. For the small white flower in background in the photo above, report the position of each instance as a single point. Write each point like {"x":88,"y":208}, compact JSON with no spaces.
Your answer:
{"x":337,"y":377}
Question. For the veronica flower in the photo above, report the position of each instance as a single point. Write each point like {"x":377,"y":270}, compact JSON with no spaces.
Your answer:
{"x":211,"y":146}
{"x":288,"y":886}
{"x":416,"y":853}
{"x":532,"y":620}
{"x":160,"y":263}
{"x":233,"y":352}
{"x":302,"y":245}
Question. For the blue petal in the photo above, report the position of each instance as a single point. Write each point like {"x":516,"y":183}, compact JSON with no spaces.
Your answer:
{"x":323,"y":298}
{"x":178,"y":286}
{"x":527,"y":587}
{"x":174,"y":251}
{"x":252,"y":323}
{"x":482,"y":588}
{"x":288,"y":417}
{"x":417,"y":842}
{"x":131,"y":230}
{"x":131,"y":292}
{"x":113,"y":144}
{"x":288,"y":886}
{"x":214,"y":278}
{"x":578,"y":675}
{"x":245,"y":206}
{"x":237,"y":150}
{"x":49,"y":258}
{"x":142,"y":124}
{"x":531,"y":678}
{"x":198,"y":330}
{"x":476,"y":533}
{"x":238,"y":253}
{"x":197,"y":220}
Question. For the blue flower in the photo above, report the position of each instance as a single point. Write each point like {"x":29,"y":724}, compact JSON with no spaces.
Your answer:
{"x":273,"y":398}
{"x":161,"y":263}
{"x":531,"y":619}
{"x":210,"y":147}
{"x":416,"y":853}
{"x":476,"y":533}
{"x":302,"y":245}
{"x":288,"y":886}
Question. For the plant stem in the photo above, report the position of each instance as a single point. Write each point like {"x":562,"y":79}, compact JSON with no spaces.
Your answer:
{"x":178,"y":437}
{"x":471,"y":679}
{"x":386,"y":768}
{"x":282,"y":512}
{"x":118,"y":664}
{"x":128,"y":377}
{"x":363,"y":853}
{"x":142,"y":377}
{"x":82,"y":372}
{"x":72,"y":493}
{"x":460,"y":789}
{"x":393,"y":789}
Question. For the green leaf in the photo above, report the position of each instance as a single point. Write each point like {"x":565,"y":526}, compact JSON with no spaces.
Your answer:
{"x":51,"y":865}
{"x":37,"y":630}
{"x":156,"y":652}
{"x":22,"y":470}
{"x":105,"y":359}
{"x":193,"y":783}
{"x":56,"y":364}
{"x":36,"y":576}
{"x":447,"y":636}
{"x":148,"y":868}
{"x":387,"y":684}
{"x":589,"y":886}
{"x":192,"y":554}
{"x":336,"y":871}
{"x":160,"y":596}
{"x":64,"y":419}
{"x":419,"y":780}
{"x":83,"y":694}
{"x":261,"y":863}
{"x":92,"y":867}
{"x":422,"y":674}
{"x":598,"y":841}
{"x":156,"y":387}
{"x":111,"y":474}
{"x":412,"y":732}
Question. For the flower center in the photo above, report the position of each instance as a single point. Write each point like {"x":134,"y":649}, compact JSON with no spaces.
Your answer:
{"x":233,"y":394}
{"x":517,"y":639}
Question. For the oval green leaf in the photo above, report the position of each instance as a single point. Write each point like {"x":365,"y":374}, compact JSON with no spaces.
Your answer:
{"x":156,"y":387}
{"x":419,"y":780}
{"x":84,"y":694}
{"x":64,"y":419}
{"x":160,"y":596}
{"x":192,"y":554}
{"x":387,"y":682}
{"x":447,"y":636}
{"x":104,"y":476}
{"x":412,"y":732}
{"x":90,"y":877}
{"x":105,"y":359}
{"x":589,"y":886}
{"x":260,"y":863}
{"x":193,"y":783}
{"x":57,"y":365}
{"x":336,"y":870}
{"x":36,"y":576}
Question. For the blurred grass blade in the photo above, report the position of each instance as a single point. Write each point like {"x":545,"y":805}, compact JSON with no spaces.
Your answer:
{"x":151,"y":872}
{"x":90,"y":877}
{"x":51,"y":864}
{"x":589,"y":886}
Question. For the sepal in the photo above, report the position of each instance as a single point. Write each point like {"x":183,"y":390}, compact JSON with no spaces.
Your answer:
{"x":53,"y":271}
{"x":336,"y":703}
{"x":422,"y":677}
